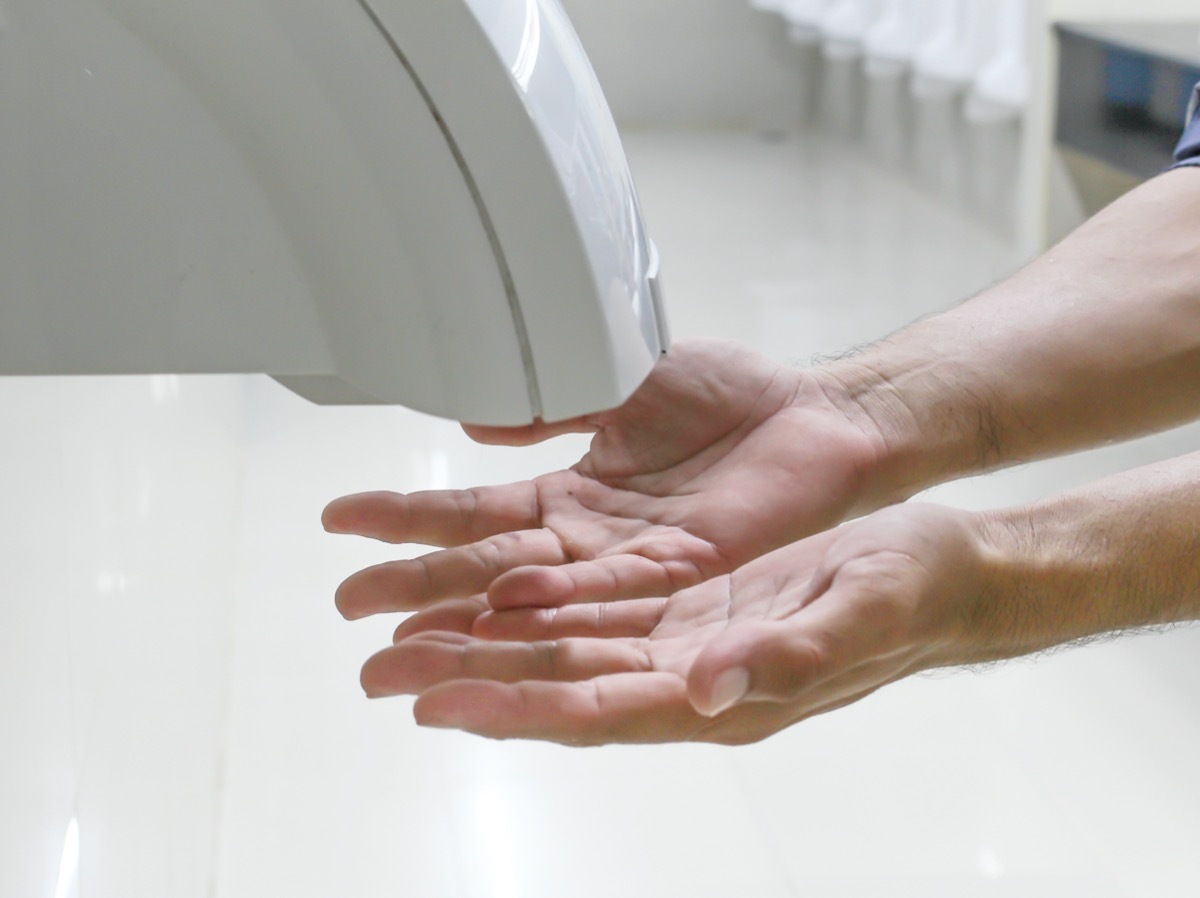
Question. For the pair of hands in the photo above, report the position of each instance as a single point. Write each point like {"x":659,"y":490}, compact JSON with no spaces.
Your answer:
{"x":644,"y":596}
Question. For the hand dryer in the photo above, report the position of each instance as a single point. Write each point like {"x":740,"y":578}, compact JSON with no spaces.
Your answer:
{"x":420,"y":202}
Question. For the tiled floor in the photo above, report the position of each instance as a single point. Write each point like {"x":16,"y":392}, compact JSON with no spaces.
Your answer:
{"x":211,"y":745}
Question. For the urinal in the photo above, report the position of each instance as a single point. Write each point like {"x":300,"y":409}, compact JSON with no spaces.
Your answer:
{"x":888,"y":50}
{"x":843,"y":29}
{"x":891,"y":42}
{"x":994,"y":112}
{"x":1001,"y":89}
{"x":374,"y":201}
{"x":803,"y":19}
{"x":944,"y":66}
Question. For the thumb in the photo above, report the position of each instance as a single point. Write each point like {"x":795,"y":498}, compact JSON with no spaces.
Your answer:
{"x":766,"y":662}
{"x":529,"y":434}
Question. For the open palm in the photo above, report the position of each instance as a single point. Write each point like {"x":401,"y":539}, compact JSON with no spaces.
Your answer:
{"x":801,"y":631}
{"x":718,"y":458}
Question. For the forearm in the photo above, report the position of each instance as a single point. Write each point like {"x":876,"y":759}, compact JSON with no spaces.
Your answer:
{"x":1119,"y":554}
{"x":1097,"y":340}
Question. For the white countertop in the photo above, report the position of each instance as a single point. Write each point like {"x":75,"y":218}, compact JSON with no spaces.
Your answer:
{"x":1176,"y":41}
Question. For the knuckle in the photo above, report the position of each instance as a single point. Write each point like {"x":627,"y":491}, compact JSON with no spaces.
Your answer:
{"x":468,"y":506}
{"x":487,"y":554}
{"x":810,"y":660}
{"x":792,"y":666}
{"x":547,"y":660}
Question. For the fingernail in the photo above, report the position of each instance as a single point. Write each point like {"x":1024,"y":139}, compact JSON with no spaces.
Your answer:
{"x":729,"y":688}
{"x":443,"y":720}
{"x":440,"y":723}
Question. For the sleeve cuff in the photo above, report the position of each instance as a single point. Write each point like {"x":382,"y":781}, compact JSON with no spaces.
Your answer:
{"x":1187,"y":151}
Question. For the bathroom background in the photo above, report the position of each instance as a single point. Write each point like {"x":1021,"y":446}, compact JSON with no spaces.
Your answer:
{"x":179,"y":709}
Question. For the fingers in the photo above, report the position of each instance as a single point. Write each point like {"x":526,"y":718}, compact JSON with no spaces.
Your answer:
{"x":451,"y":573}
{"x":450,"y":616}
{"x":605,"y":579}
{"x":616,"y":708}
{"x":473,"y":616}
{"x":437,"y":518}
{"x":627,"y":707}
{"x":536,"y":432}
{"x":634,"y":619}
{"x":517,"y":570}
{"x":421,"y":662}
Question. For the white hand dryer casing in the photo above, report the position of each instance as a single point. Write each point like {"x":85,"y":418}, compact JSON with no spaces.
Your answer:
{"x":422,"y":202}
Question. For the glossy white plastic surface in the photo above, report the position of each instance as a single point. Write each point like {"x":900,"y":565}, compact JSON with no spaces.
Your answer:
{"x":273,"y":185}
{"x":595,"y":197}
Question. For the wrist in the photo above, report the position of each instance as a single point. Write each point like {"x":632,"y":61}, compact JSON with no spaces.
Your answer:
{"x":1052,"y":578}
{"x":929,"y":422}
{"x":862,"y":447}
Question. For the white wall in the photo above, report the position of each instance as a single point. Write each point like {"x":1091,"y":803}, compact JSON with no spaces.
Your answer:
{"x":691,"y":63}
